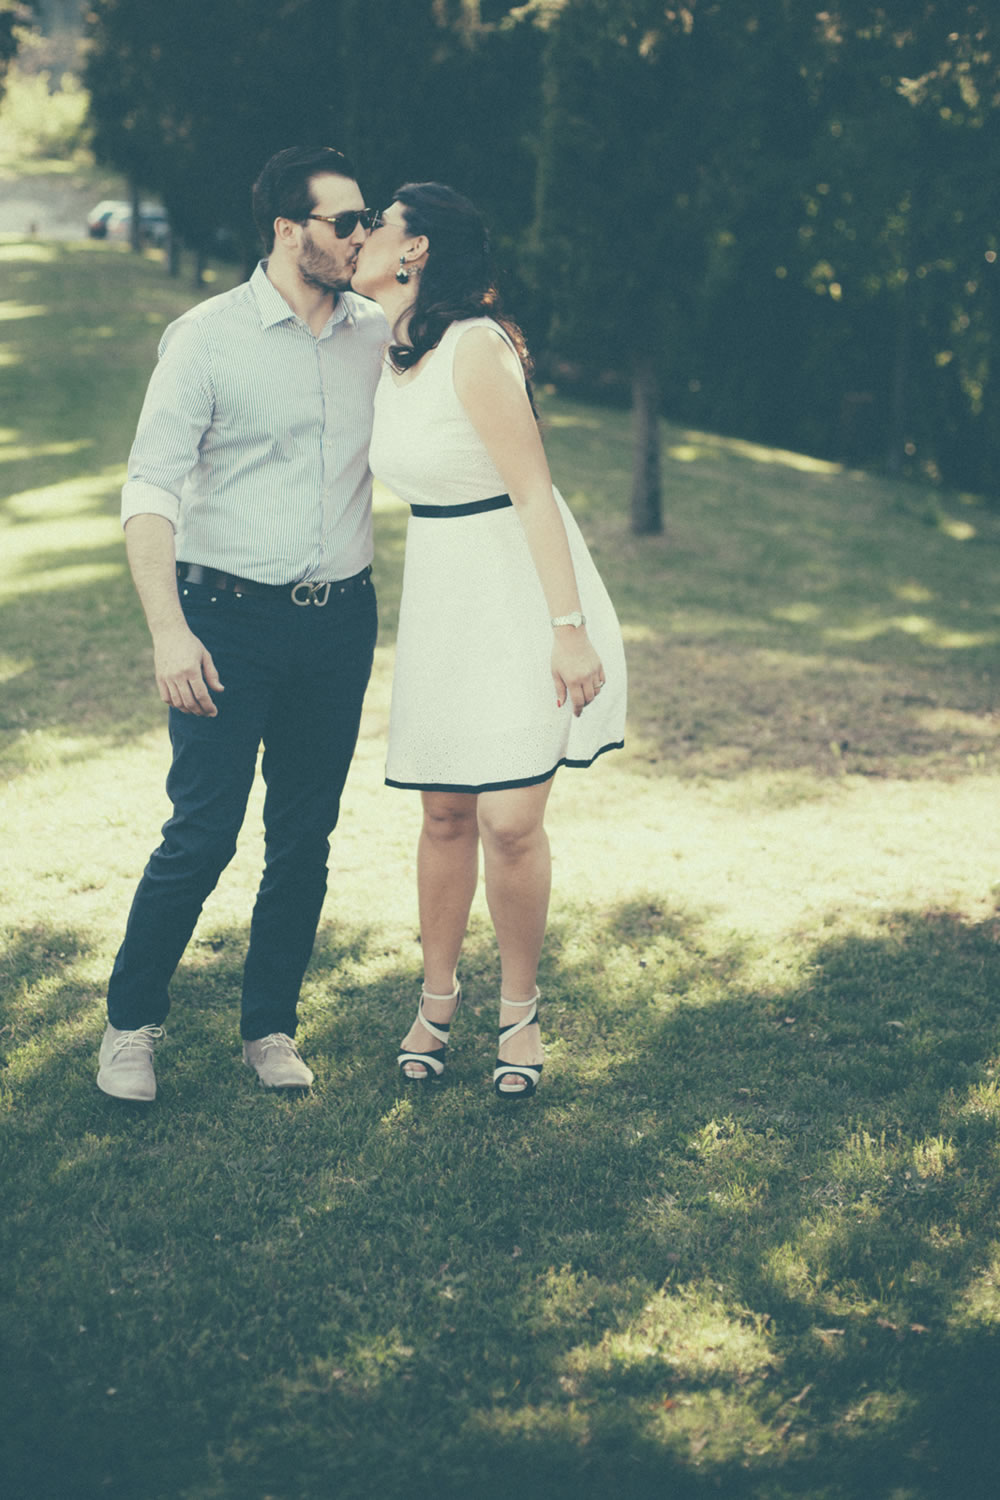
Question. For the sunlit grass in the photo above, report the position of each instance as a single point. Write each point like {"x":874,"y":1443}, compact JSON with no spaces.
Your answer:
{"x":13,"y":248}
{"x":744,"y":1243}
{"x":701,"y":444}
{"x":11,"y":451}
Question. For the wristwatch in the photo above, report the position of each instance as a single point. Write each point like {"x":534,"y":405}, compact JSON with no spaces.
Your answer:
{"x":575,"y":619}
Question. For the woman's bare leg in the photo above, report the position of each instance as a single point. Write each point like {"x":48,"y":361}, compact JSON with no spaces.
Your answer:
{"x":518,"y":871}
{"x":447,"y":871}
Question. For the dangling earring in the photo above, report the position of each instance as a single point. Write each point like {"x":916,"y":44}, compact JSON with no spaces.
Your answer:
{"x":402,"y":275}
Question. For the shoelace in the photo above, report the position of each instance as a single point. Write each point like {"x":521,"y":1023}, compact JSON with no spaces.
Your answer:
{"x":282,"y":1042}
{"x":143,"y":1036}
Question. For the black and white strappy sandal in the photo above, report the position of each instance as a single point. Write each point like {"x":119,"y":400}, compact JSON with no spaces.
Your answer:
{"x":530,"y":1073}
{"x":431,"y":1062}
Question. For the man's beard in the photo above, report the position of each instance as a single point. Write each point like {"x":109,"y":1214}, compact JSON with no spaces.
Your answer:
{"x":316,"y":271}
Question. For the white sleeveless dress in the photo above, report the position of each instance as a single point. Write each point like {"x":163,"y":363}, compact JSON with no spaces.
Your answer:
{"x":473,"y":702}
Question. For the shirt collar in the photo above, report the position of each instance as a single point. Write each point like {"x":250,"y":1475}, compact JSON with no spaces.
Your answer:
{"x":274,"y":309}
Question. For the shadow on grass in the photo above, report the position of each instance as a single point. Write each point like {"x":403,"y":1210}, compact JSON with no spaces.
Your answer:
{"x":725,"y":707}
{"x":22,"y":478}
{"x":788,"y":620}
{"x":81,"y":661}
{"x":743,"y":1242}
{"x":78,"y":317}
{"x":83,"y":665}
{"x":708,"y":708}
{"x":38,"y":989}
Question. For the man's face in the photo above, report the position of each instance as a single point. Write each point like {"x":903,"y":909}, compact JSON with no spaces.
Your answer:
{"x":324,"y":260}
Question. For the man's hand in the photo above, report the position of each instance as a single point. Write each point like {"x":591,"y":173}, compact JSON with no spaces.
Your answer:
{"x":185,"y":672}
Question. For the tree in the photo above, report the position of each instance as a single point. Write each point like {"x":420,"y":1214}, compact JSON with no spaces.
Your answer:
{"x":407,"y":91}
{"x":648,"y":115}
{"x":781,"y":222}
{"x":190,"y":99}
{"x":446,"y":91}
{"x":769,"y":219}
{"x":900,"y":233}
{"x":14,"y":16}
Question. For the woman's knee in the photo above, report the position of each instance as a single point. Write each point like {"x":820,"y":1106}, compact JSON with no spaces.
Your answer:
{"x":511,"y":821}
{"x":450,"y":819}
{"x":511,"y":837}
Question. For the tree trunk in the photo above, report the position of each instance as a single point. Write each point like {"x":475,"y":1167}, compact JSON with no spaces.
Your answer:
{"x":135,"y":228}
{"x":899,"y":390}
{"x":906,"y":311}
{"x":173,"y":253}
{"x":647,"y":509}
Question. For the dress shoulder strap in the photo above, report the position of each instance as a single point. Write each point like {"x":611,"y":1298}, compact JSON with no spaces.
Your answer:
{"x":455,"y":331}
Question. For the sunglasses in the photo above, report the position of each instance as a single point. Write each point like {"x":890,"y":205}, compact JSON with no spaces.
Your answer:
{"x":346,"y":223}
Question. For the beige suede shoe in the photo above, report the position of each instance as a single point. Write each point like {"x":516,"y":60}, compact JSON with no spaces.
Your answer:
{"x":278,"y":1063}
{"x":126,"y":1063}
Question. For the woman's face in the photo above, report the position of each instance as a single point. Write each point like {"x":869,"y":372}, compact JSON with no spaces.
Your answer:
{"x":378,"y":261}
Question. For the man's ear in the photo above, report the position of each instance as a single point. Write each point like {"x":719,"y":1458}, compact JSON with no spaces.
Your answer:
{"x":284,"y":230}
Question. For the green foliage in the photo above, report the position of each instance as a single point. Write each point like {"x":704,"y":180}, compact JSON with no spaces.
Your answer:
{"x":771,"y":220}
{"x":14,"y":14}
{"x":37,"y":121}
{"x":357,"y":75}
{"x":788,"y":208}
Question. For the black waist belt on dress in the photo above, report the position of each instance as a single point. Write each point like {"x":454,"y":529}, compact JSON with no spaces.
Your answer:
{"x":471,"y":508}
{"x":298,"y":593}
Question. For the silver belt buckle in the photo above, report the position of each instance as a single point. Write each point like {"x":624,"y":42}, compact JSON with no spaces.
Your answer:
{"x":316,"y":593}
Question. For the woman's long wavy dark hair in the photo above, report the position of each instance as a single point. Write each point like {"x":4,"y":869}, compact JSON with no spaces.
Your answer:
{"x":457,"y":279}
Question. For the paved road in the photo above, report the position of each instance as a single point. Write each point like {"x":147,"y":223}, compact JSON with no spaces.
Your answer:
{"x":54,"y":207}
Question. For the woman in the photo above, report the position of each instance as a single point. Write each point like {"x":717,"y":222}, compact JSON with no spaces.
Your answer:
{"x":509,"y":660}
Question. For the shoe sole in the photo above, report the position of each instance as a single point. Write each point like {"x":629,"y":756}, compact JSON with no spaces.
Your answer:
{"x":289,"y":1085}
{"x":129,"y":1098}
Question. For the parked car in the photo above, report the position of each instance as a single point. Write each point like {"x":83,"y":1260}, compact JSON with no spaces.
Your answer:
{"x":154,"y":226}
{"x":97,"y":219}
{"x":111,"y":219}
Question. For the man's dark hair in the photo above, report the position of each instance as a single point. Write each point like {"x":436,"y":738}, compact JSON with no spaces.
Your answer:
{"x":282,"y":190}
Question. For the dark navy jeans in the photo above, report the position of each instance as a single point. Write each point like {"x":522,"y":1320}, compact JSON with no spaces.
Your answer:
{"x":294,"y":680}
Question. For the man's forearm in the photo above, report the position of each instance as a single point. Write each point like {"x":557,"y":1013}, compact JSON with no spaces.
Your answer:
{"x":149,"y":544}
{"x":185,"y":673}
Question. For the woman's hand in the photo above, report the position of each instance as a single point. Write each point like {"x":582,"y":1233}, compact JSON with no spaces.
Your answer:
{"x":576,"y":668}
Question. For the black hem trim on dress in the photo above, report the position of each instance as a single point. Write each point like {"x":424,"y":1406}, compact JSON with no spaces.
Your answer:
{"x":502,"y":786}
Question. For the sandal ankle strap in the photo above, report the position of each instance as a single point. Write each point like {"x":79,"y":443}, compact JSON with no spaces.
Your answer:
{"x":427,"y":995}
{"x":522,"y":1003}
{"x":437,"y":1029}
{"x":512,"y":1029}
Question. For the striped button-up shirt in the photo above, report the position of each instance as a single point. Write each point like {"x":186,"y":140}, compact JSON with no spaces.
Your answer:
{"x":253,"y":438}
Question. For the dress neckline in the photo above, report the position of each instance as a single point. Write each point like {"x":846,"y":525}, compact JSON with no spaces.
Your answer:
{"x":412,"y":376}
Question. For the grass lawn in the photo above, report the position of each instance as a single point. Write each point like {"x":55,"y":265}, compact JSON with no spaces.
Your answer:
{"x":745,"y":1241}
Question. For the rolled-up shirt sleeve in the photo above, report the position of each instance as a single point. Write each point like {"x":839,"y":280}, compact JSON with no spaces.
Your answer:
{"x":176,"y":414}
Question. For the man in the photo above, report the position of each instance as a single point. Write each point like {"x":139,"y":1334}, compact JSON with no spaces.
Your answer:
{"x":247,"y":515}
